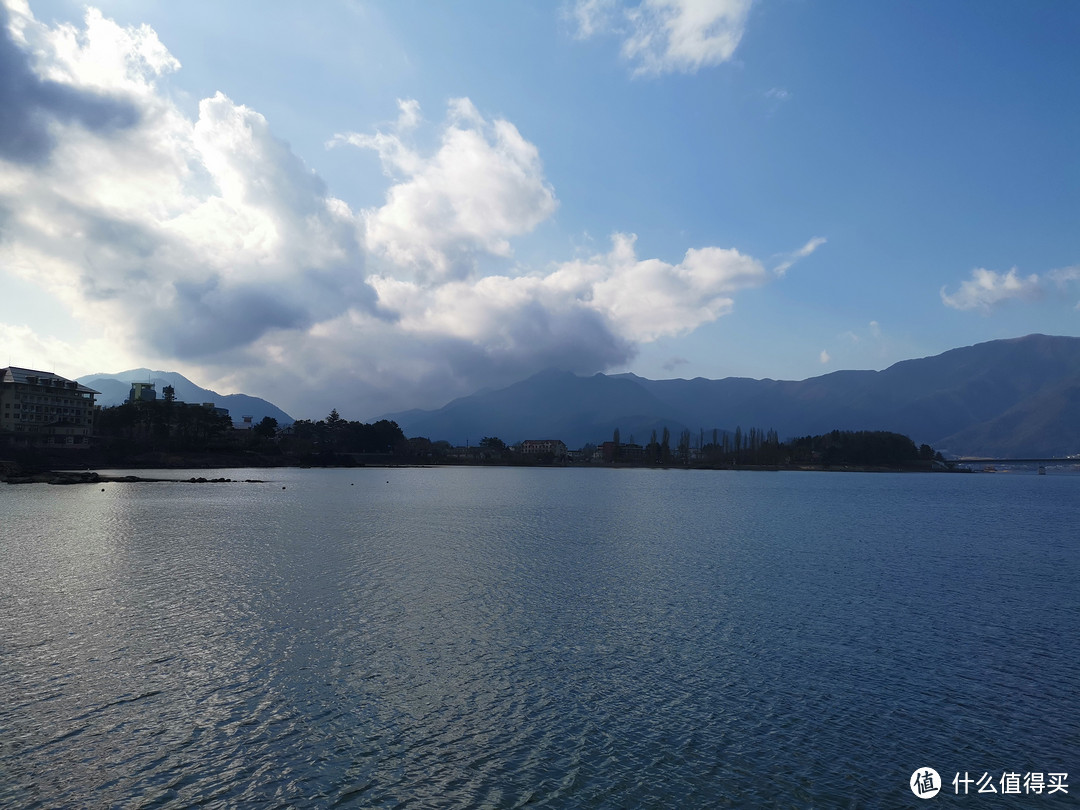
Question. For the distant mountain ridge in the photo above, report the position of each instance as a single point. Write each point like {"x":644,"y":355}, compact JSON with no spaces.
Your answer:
{"x":1003,"y":398}
{"x":114,"y":390}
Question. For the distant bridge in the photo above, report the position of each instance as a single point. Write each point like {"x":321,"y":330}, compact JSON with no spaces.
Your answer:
{"x":1015,"y":460}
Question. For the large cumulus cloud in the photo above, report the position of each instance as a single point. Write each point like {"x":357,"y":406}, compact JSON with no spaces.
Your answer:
{"x":192,"y":237}
{"x":32,"y":103}
{"x":482,"y":186}
{"x":205,"y":244}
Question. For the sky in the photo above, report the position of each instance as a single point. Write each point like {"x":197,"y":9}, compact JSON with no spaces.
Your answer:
{"x":375,"y":206}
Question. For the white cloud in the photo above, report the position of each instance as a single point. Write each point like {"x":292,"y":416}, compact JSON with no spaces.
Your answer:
{"x":986,"y":288}
{"x":824,"y":357}
{"x":206,"y":245}
{"x":484,"y":185}
{"x":592,"y":16}
{"x":875,"y":329}
{"x":409,"y":116}
{"x":25,"y":347}
{"x":187,"y":237}
{"x":446,"y":338}
{"x":668,"y":36}
{"x":1064,"y":276}
{"x":790,"y":258}
{"x":640,"y":300}
{"x":103,"y":57}
{"x":648,"y":299}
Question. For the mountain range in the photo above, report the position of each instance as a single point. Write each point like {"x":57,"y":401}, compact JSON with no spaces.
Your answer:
{"x":1004,"y":398}
{"x":1001,"y":399}
{"x":114,"y":389}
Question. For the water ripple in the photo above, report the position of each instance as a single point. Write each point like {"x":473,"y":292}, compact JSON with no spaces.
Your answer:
{"x":559,"y":638}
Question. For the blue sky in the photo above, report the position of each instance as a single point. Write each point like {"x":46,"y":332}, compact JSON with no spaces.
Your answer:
{"x":375,"y":206}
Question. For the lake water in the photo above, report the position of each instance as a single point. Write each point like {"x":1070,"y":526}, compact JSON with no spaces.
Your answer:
{"x":499,"y":637}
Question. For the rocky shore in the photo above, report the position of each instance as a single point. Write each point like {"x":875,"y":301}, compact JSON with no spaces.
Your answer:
{"x":64,"y":478}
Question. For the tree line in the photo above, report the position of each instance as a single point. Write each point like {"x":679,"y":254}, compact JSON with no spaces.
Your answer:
{"x":337,"y":435}
{"x":161,"y":425}
{"x":758,"y":447}
{"x":178,"y":427}
{"x":170,"y":426}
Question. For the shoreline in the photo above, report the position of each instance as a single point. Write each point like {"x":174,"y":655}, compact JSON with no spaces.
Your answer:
{"x":69,"y":477}
{"x":64,"y":478}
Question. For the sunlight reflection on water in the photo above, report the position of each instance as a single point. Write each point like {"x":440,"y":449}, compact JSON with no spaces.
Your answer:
{"x":487,"y":637}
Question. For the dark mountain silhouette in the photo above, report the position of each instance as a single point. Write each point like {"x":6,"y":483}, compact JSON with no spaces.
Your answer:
{"x":551,"y":404}
{"x":1044,"y":425}
{"x":1004,"y":398}
{"x":114,"y":390}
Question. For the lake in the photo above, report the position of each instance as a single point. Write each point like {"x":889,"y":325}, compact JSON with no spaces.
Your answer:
{"x":501,"y":637}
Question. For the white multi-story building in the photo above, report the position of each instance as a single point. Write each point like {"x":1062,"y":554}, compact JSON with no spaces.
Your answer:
{"x":39,"y":408}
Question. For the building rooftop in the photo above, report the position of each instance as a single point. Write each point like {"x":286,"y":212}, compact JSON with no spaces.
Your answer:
{"x":29,"y":376}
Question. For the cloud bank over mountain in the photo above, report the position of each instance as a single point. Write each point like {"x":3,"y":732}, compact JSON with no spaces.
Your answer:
{"x":204,"y":241}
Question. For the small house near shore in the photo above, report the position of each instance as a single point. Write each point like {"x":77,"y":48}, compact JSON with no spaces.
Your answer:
{"x":543,"y":447}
